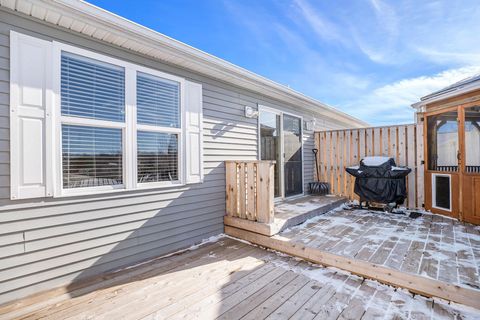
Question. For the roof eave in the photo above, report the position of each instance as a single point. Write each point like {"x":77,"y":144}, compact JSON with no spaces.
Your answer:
{"x":451,"y":94}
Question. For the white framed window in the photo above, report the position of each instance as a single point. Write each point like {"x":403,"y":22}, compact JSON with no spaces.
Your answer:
{"x":92,"y":124}
{"x":159,"y":129}
{"x":86,"y":123}
{"x":119,"y":125}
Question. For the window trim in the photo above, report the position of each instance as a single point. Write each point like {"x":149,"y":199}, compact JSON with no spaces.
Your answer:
{"x":129,"y":127}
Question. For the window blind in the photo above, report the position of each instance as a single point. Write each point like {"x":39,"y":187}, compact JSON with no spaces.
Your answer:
{"x":91,"y":156}
{"x":158,"y":101}
{"x":92,"y":89}
{"x":157,"y":156}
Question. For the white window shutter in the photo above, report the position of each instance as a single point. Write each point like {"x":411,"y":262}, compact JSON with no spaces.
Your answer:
{"x":30,"y":117}
{"x":194,"y":134}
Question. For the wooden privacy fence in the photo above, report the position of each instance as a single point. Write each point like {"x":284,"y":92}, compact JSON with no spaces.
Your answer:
{"x":250,"y":190}
{"x":339,"y":149}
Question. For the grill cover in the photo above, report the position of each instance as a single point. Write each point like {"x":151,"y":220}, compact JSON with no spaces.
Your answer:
{"x":378,"y":179}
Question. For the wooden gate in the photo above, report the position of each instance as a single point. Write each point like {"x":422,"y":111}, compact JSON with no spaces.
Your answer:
{"x":339,"y":149}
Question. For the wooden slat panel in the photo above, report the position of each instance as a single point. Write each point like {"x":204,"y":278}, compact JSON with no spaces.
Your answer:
{"x":231,"y":186}
{"x":342,"y":148}
{"x":362,"y":146}
{"x":250,"y":190}
{"x":385,"y":138}
{"x":322,"y":152}
{"x":328,"y":159}
{"x":346,"y":161}
{"x":251,"y":196}
{"x":377,"y":142}
{"x":369,"y":141}
{"x":265,"y":190}
{"x":402,"y":144}
{"x":411,"y":155}
{"x":354,"y":159}
{"x":392,"y":147}
{"x":340,"y":157}
{"x":242,"y":195}
{"x":334,"y":162}
{"x":420,"y":166}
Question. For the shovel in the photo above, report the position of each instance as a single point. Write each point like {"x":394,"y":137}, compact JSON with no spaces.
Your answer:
{"x":317,"y":187}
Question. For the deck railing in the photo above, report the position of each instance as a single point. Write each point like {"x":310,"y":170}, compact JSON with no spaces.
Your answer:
{"x":250,"y":190}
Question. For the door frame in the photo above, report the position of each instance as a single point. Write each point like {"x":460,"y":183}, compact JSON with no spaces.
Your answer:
{"x":461,"y":173}
{"x":282,"y":149}
{"x":466,"y":177}
{"x":455,"y":177}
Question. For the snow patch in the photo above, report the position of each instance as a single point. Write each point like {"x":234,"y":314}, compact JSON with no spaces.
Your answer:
{"x":399,"y":168}
{"x":403,"y":303}
{"x":375,"y":161}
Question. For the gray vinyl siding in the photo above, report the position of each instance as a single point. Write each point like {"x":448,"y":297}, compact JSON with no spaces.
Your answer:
{"x":45,"y":243}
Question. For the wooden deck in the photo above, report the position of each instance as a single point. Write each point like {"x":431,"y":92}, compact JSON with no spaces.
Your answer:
{"x":433,"y":255}
{"x":232,"y":280}
{"x":432,"y":246}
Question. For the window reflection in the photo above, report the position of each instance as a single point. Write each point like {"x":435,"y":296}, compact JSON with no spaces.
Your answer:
{"x":472,"y":139}
{"x":270,"y":143}
{"x":443,"y":142}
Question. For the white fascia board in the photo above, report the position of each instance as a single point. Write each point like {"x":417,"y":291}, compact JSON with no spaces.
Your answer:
{"x":462,"y":90}
{"x":157,"y":45}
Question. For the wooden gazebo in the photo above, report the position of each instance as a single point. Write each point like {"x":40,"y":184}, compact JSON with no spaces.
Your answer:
{"x":451,"y":123}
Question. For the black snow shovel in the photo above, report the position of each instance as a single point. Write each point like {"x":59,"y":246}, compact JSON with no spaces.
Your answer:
{"x":317,"y":187}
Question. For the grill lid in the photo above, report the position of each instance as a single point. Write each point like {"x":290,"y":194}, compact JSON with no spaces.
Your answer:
{"x":378,"y":167}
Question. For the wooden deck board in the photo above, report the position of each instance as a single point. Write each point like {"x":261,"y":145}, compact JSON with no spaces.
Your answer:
{"x":380,"y":302}
{"x":433,"y":246}
{"x":102,"y":286}
{"x":340,"y":301}
{"x":314,"y":305}
{"x":277,"y":299}
{"x":233,"y":280}
{"x":467,"y":268}
{"x":149,"y":299}
{"x":125,"y":293}
{"x":295,"y":302}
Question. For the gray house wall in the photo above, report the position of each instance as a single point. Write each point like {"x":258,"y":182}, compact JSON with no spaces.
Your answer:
{"x":50,"y":242}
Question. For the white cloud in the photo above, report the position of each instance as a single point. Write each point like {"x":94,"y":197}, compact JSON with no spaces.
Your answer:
{"x":322,"y":52}
{"x":324,"y":28}
{"x":445,"y":57}
{"x":391,"y":103}
{"x":387,"y":16}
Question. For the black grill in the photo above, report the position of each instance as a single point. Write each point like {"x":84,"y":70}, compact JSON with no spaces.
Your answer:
{"x":380,"y":180}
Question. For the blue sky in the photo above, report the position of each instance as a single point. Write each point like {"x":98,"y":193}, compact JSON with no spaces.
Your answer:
{"x":369,"y":58}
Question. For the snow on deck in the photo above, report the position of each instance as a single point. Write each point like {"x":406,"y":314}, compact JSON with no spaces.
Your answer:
{"x":432,"y":246}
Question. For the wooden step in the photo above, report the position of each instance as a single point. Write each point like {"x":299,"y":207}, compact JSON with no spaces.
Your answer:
{"x":289,"y":213}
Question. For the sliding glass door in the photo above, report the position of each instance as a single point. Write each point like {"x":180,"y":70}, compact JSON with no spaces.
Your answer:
{"x":270,"y":143}
{"x":292,"y":142}
{"x":281,"y":140}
